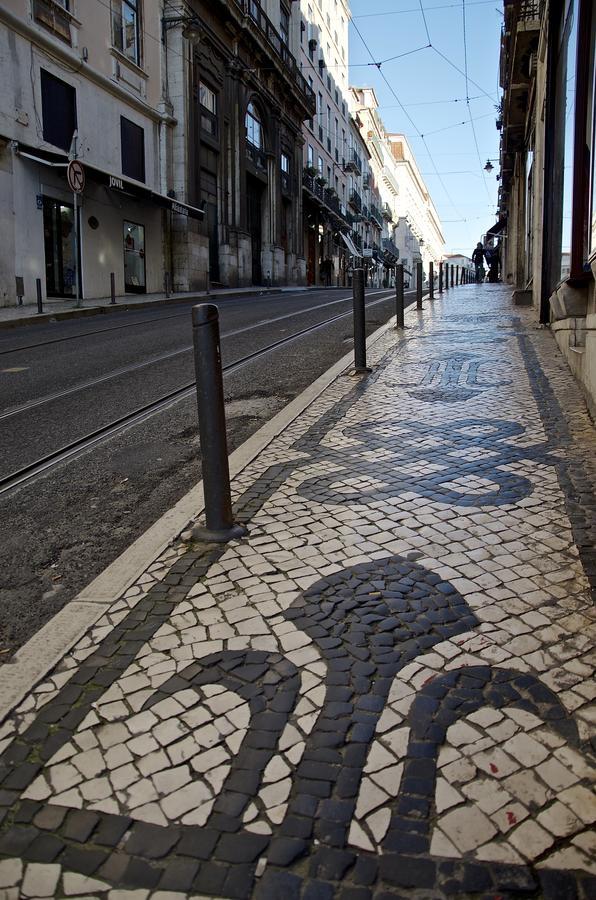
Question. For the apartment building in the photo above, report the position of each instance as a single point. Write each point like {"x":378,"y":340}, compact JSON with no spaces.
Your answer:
{"x":183,"y":120}
{"x":82,"y":80}
{"x":411,"y":225}
{"x":547,"y":193}
{"x":326,"y":135}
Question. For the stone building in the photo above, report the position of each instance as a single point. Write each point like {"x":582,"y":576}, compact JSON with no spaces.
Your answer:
{"x":547,"y":193}
{"x":239,"y":99}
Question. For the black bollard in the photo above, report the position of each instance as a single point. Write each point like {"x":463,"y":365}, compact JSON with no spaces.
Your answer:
{"x":446,"y":276}
{"x":431,"y":281}
{"x":440,"y":278}
{"x":359,"y":322}
{"x":399,"y":296}
{"x":39,"y":300}
{"x":112,"y":288}
{"x":452,"y":275}
{"x":166,"y":284}
{"x":418,"y":285}
{"x":219,"y":522}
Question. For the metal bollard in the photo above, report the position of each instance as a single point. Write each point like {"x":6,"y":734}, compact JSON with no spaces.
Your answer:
{"x":112,"y":288}
{"x":219,"y":522}
{"x":39,"y":300}
{"x":359,"y":322}
{"x":431,"y":280}
{"x":440,"y":278}
{"x":399,"y":296}
{"x":452,"y":275}
{"x":20,"y":289}
{"x":207,"y":281}
{"x":418,"y":285}
{"x":166,"y":284}
{"x":446,"y":276}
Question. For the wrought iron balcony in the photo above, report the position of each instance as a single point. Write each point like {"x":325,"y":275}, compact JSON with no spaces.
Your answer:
{"x":355,"y":201}
{"x":376,"y":216}
{"x":390,"y":251}
{"x":256,"y":157}
{"x":255,"y":14}
{"x":326,"y":196}
{"x":353,"y":162}
{"x":387,"y":213}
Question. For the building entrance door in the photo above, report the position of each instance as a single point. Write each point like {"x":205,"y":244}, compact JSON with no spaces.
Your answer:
{"x":134,"y":258}
{"x":254,"y":215}
{"x":60,"y":251}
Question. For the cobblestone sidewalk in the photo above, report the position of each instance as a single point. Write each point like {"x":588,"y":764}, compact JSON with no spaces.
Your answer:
{"x":384,"y":691}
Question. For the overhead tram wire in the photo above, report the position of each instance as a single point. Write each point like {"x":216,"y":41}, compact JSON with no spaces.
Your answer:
{"x":401,"y":12}
{"x":463,"y":9}
{"x":411,"y":121}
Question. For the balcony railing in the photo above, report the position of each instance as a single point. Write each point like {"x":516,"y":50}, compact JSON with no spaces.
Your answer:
{"x":327,"y":196}
{"x":355,"y":201}
{"x":254,"y":11}
{"x":387,"y":213}
{"x":375,"y":215}
{"x":353,"y":162}
{"x":256,"y":157}
{"x":357,"y":240}
{"x":391,"y":251}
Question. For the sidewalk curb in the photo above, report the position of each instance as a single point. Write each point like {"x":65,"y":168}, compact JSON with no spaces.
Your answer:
{"x":46,"y":648}
{"x":104,"y":309}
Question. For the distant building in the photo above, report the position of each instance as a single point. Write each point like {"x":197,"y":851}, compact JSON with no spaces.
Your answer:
{"x":458,"y":259}
{"x":410,"y":220}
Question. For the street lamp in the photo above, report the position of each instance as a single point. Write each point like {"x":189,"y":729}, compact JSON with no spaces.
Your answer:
{"x":192,"y":27}
{"x":489,"y":166}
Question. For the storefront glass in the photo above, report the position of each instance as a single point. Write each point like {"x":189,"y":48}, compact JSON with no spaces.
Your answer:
{"x":134,"y":258}
{"x":60,"y":253}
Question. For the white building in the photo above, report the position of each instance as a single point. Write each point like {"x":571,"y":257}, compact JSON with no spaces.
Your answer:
{"x":416,"y":228}
{"x":87,"y":85}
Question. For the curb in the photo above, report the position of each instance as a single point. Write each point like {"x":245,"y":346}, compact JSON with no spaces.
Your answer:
{"x":104,"y":309}
{"x":32,"y":662}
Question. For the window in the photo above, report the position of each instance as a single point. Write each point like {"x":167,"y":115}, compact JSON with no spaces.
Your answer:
{"x":59,"y":110}
{"x":125,"y":28}
{"x":133,"y":149}
{"x":208,"y":109}
{"x":310,"y":156}
{"x":53,"y":14}
{"x":284,"y":25}
{"x":320,"y":165}
{"x":285,"y":163}
{"x":254,"y":129}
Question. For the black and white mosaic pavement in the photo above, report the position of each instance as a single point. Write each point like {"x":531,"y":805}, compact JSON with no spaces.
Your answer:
{"x":385,"y":690}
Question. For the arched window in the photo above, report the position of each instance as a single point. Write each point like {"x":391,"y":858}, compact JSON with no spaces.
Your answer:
{"x":254,"y":128}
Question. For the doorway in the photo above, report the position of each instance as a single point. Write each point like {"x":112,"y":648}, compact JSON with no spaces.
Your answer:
{"x":134,"y":258}
{"x":254,"y":193}
{"x":60,"y":251}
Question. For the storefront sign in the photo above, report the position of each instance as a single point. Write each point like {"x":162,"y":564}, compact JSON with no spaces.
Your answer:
{"x":178,"y":208}
{"x":116,"y":183}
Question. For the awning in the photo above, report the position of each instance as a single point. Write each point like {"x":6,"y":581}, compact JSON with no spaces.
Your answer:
{"x":497,"y":228}
{"x":350,"y":244}
{"x":116,"y":183}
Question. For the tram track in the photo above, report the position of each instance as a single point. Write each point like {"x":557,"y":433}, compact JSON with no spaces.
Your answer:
{"x":154,"y":360}
{"x":44,"y":464}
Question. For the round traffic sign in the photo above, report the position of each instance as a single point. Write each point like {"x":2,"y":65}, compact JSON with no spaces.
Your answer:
{"x":76,"y":176}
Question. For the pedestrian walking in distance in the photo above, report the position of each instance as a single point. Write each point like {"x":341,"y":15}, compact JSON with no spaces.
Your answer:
{"x":478,"y":260}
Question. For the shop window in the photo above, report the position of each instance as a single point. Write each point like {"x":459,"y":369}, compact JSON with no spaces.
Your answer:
{"x":254,"y":128}
{"x":208,"y":104}
{"x":126,"y":35}
{"x":58,"y":109}
{"x":133,"y":149}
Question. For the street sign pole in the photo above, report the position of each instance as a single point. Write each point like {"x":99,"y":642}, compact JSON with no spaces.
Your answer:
{"x":77,"y":255}
{"x":76,"y":178}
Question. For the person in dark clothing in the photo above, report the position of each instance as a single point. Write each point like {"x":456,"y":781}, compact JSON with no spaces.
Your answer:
{"x":478,"y":260}
{"x":492,"y":257}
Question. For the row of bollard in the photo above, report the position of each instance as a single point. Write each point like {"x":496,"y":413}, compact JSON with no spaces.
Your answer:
{"x":219,"y":520}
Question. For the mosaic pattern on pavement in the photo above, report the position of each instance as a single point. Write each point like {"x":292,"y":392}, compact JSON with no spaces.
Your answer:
{"x":386,"y":687}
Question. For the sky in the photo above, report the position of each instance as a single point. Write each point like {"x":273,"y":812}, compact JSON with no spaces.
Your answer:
{"x":424,"y":96}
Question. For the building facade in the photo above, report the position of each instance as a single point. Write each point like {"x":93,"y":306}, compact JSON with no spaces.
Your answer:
{"x":184,"y":119}
{"x":81,"y":81}
{"x":239,"y":100}
{"x":547,"y":195}
{"x":326,"y":135}
{"x":411,"y":226}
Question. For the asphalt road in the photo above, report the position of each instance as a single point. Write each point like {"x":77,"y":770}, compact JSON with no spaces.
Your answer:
{"x":60,"y":531}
